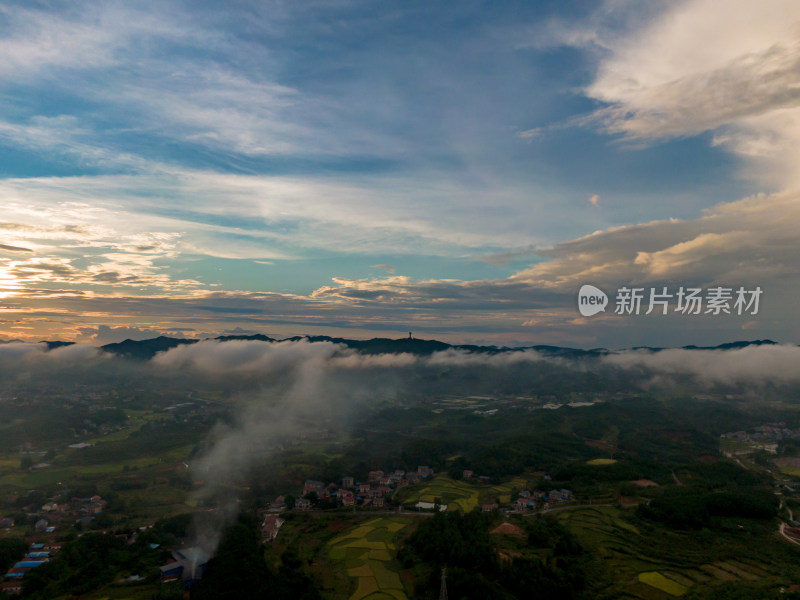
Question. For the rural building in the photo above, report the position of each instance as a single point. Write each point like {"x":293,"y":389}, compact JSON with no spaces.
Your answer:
{"x":430,"y":506}
{"x":348,"y":483}
{"x":27,"y":565}
{"x":11,"y":587}
{"x":270,"y":527}
{"x":313,"y":486}
{"x":171,"y":571}
{"x":188,"y":565}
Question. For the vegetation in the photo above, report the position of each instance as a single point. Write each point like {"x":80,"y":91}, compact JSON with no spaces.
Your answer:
{"x":238,"y":570}
{"x":88,"y":563}
{"x":11,"y":549}
{"x":461,"y":543}
{"x":703,"y":522}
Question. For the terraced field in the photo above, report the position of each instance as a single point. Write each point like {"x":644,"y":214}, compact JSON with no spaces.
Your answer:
{"x":661,"y":564}
{"x":366,"y":551}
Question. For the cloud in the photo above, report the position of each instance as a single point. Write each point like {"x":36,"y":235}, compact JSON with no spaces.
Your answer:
{"x":594,"y":200}
{"x":17,"y":359}
{"x":136,"y":237}
{"x":752,"y":364}
{"x":388,"y":268}
{"x":461,"y":358}
{"x":749,"y":242}
{"x":503,"y":258}
{"x":245,"y":356}
{"x":690,"y":69}
{"x":8,"y":248}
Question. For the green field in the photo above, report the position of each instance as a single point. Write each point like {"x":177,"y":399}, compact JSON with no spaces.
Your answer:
{"x":366,"y":551}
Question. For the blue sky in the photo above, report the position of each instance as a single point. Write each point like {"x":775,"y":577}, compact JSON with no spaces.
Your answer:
{"x":361,"y":168}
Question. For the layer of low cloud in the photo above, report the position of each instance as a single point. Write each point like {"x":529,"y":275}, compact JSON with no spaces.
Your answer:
{"x":762,"y":365}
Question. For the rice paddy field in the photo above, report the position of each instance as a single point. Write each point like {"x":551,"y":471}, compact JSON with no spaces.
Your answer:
{"x":462,"y":495}
{"x":366,"y":552}
{"x":457,"y":495}
{"x":647,"y":563}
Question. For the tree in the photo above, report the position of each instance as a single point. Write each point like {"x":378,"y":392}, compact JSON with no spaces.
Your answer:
{"x":237,"y":570}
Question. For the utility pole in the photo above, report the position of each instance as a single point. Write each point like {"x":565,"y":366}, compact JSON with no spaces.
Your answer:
{"x":443,"y":590}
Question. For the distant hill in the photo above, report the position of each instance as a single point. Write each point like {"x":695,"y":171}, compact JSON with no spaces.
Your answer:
{"x":733,"y":345}
{"x":386,"y":345}
{"x":56,"y":344}
{"x":726,"y":346}
{"x":147,"y":349}
{"x":257,"y":337}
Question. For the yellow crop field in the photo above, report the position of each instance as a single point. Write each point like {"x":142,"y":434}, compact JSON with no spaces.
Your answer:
{"x":658,"y":581}
{"x":601,"y":461}
{"x":366,"y":586}
{"x":365,"y":550}
{"x":456,"y":494}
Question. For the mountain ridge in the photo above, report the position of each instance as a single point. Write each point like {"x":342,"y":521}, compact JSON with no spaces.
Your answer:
{"x":147,"y":349}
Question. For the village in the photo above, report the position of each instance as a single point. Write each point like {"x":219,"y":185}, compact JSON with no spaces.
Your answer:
{"x":77,"y":512}
{"x":764,"y":438}
{"x":380,"y":491}
{"x":38,"y":554}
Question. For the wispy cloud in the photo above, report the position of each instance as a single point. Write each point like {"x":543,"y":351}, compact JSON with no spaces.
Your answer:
{"x":388,"y":268}
{"x":8,"y":248}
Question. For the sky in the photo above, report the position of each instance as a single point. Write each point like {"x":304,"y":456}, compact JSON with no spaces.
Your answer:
{"x":362,"y":169}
